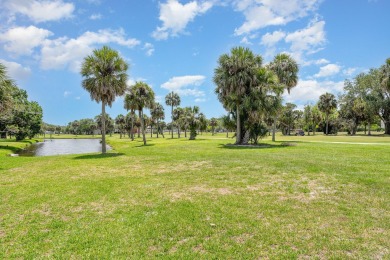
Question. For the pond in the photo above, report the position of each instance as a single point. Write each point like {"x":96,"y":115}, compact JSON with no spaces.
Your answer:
{"x":63,"y":146}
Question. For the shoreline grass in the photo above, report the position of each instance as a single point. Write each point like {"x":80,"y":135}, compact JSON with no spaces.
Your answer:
{"x":200,"y":199}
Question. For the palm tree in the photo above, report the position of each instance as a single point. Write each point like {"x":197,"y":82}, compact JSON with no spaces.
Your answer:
{"x":327,"y":104}
{"x":132,"y":106}
{"x":120,"y":122}
{"x":234,"y":76}
{"x":173,"y":100}
{"x":105,"y":77}
{"x":287,"y":70}
{"x":143,"y":97}
{"x":213,"y":123}
{"x":177,"y":117}
{"x":228,"y":123}
{"x":157,"y":113}
{"x":193,"y":119}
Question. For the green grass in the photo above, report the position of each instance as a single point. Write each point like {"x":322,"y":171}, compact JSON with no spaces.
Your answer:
{"x":295,"y":198}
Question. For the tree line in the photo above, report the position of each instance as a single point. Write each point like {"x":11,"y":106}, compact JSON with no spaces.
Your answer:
{"x":19,"y":117}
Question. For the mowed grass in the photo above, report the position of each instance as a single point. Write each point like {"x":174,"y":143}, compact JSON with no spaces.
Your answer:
{"x":295,"y":198}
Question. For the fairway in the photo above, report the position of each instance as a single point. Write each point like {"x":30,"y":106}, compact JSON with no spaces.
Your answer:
{"x":295,"y":198}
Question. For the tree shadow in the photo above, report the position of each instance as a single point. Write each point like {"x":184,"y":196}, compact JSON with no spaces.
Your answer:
{"x":12,"y":149}
{"x":142,"y":145}
{"x":258,"y":146}
{"x":98,"y":156}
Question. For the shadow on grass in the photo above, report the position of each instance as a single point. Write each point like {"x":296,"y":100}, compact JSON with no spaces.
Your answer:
{"x":12,"y":149}
{"x":142,"y":145}
{"x":258,"y":146}
{"x":98,"y":156}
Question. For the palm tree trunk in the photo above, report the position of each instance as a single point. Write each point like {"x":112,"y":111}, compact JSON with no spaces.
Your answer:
{"x":142,"y":125}
{"x":151,"y":131}
{"x":132,"y":129}
{"x":273,"y":129}
{"x":103,"y":127}
{"x":172,"y":120}
{"x":158,"y":128}
{"x":238,"y":135}
{"x":327,"y":123}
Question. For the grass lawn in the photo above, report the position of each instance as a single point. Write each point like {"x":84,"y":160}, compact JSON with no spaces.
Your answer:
{"x":305,"y":197}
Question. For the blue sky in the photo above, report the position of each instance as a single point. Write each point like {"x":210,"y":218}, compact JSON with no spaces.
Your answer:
{"x":175,"y":44}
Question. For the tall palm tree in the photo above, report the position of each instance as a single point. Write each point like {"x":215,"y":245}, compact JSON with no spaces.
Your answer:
{"x":120,"y":123}
{"x":213,"y":123}
{"x":177,"y":117}
{"x":327,"y":104}
{"x":105,"y":76}
{"x":143,"y":97}
{"x":173,"y":100}
{"x":287,"y":70}
{"x":129,"y":104}
{"x":234,"y":76}
{"x":157,"y":113}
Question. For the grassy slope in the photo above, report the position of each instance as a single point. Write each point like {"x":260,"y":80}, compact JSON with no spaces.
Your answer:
{"x":200,"y":199}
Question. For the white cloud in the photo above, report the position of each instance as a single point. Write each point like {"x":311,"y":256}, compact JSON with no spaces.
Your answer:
{"x":328,"y":70}
{"x":307,"y":39}
{"x":132,"y":81}
{"x":349,"y":71}
{"x":321,"y":62}
{"x":41,"y":10}
{"x":95,"y":17}
{"x":15,"y":70}
{"x":310,"y":90}
{"x":270,"y":39}
{"x":67,"y":94}
{"x":262,"y":13}
{"x":149,"y":48}
{"x":181,"y":85}
{"x":175,"y":17}
{"x":200,"y":100}
{"x":65,"y":52}
{"x":245,"y":41}
{"x":22,"y":40}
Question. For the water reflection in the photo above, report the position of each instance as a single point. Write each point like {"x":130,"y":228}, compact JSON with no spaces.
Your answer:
{"x":63,"y":146}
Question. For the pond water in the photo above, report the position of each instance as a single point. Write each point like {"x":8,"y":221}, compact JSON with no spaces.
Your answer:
{"x":63,"y":146}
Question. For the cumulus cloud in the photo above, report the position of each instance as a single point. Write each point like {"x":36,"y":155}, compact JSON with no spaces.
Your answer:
{"x":308,"y":38}
{"x":185,"y":85}
{"x":149,"y":49}
{"x":270,"y":39}
{"x":95,"y":17}
{"x":41,"y":10}
{"x":262,"y":13}
{"x":64,"y":52}
{"x":311,"y":90}
{"x":175,"y":17}
{"x":15,"y":70}
{"x":328,"y":70}
{"x":22,"y":40}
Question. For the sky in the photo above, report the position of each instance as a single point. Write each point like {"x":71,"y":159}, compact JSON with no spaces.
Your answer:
{"x":174,"y":45}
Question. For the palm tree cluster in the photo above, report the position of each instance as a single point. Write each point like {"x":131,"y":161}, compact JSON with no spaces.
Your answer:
{"x":252,"y":91}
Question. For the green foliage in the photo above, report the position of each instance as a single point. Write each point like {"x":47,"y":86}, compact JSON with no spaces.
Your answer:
{"x":104,"y":77}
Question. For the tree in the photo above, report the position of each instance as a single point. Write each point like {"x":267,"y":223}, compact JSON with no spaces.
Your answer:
{"x":105,"y":77}
{"x":173,"y":100}
{"x":213,"y":123}
{"x":177,"y":117}
{"x":307,"y":116}
{"x":157,"y":113}
{"x":193,"y":118}
{"x":120,"y":122}
{"x":228,"y":123}
{"x":132,"y":106}
{"x":287,"y":70}
{"x":234,"y":76}
{"x":143,"y":97}
{"x":383,"y":94}
{"x":327,"y":104}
